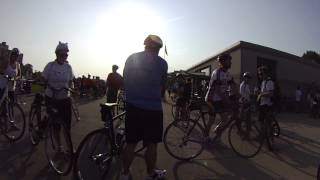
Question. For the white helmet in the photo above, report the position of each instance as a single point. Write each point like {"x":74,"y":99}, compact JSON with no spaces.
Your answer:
{"x":247,"y":74}
{"x":62,"y":46}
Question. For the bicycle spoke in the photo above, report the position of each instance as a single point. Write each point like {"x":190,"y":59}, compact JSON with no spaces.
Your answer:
{"x":184,"y":142}
{"x":93,"y":157}
{"x":245,"y":139}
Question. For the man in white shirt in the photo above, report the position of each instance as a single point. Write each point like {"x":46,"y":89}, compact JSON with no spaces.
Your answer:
{"x":266,"y":93}
{"x":217,"y":96}
{"x":245,"y":89}
{"x":244,"y":100}
{"x":58,"y":75}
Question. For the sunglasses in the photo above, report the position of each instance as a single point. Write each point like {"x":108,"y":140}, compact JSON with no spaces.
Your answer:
{"x":63,"y":55}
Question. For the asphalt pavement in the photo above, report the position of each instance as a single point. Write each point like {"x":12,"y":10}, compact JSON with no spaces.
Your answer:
{"x":297,"y":155}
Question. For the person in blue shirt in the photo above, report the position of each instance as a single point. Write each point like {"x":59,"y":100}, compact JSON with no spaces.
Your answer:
{"x":144,"y":80}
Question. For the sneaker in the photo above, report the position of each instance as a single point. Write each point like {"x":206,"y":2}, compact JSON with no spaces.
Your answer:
{"x":125,"y":177}
{"x":157,"y":175}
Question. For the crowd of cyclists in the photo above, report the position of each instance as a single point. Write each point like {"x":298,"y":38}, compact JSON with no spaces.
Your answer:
{"x":144,"y":84}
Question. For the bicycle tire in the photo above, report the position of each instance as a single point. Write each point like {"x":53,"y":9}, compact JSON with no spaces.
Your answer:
{"x":34,"y":126}
{"x":50,"y":145}
{"x":93,"y":169}
{"x":192,"y":128}
{"x":241,"y":141}
{"x":318,"y":173}
{"x":16,"y":116}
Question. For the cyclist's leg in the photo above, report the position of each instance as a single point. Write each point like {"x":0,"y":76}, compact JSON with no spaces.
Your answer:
{"x":152,"y":135}
{"x":217,"y":109}
{"x":133,"y":134}
{"x":11,"y":96}
{"x":65,"y":111}
{"x":223,"y":125}
{"x":127,"y":157}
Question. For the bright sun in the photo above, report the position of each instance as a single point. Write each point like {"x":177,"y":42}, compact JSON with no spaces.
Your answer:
{"x":121,"y":31}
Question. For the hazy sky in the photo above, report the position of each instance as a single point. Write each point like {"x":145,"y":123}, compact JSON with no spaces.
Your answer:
{"x":105,"y":32}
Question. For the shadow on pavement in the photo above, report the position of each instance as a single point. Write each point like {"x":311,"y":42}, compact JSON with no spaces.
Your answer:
{"x":15,"y":159}
{"x":299,"y":152}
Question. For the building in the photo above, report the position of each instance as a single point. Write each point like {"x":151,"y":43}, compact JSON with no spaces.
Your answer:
{"x":287,"y":69}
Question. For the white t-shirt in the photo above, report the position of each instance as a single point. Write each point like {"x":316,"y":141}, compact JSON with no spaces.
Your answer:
{"x":266,"y":86}
{"x":58,"y":76}
{"x":224,"y":77}
{"x":298,"y":95}
{"x":245,"y":91}
{"x":12,"y":73}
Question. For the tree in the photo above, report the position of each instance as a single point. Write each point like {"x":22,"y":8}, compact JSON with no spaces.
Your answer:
{"x":312,"y":55}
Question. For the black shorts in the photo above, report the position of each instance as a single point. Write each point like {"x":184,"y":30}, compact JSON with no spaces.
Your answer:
{"x":143,"y":125}
{"x":218,"y":106}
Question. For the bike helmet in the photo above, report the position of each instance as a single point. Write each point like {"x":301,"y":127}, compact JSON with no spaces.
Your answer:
{"x":62,"y":46}
{"x":223,"y":57}
{"x":115,"y":67}
{"x":246,"y":74}
{"x":15,"y":51}
{"x":153,"y":41}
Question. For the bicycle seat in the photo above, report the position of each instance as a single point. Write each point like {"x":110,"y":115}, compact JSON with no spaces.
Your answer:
{"x":108,"y":105}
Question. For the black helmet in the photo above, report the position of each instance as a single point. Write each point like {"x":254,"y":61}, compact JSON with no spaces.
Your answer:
{"x":263,"y":68}
{"x":15,"y":51}
{"x":115,"y":67}
{"x":223,"y":57}
{"x":153,"y":41}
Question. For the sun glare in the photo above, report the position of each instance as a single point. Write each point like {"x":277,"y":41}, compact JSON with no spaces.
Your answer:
{"x":121,"y":31}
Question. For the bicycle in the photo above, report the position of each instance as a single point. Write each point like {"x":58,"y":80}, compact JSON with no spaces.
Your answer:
{"x":96,"y":151}
{"x":12,"y":118}
{"x":120,"y":101}
{"x":191,"y":135}
{"x":247,"y":135}
{"x":74,"y":108}
{"x":50,"y":128}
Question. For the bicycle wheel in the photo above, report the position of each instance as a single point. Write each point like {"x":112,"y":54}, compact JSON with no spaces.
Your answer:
{"x":75,"y":111}
{"x":318,"y":174}
{"x":34,"y":126}
{"x":16,"y":122}
{"x":244,"y":140}
{"x":93,"y":157}
{"x":275,"y":128}
{"x":58,"y":147}
{"x":183,"y":140}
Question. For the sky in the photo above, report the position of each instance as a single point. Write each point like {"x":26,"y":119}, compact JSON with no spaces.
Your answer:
{"x":101,"y":33}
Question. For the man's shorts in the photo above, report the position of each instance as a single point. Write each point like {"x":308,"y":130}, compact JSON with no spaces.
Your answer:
{"x":218,"y":106}
{"x":143,"y":125}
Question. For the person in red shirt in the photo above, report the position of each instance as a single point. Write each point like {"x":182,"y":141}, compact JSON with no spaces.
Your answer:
{"x":114,"y":83}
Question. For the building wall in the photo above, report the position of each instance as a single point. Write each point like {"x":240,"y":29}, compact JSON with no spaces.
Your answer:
{"x":289,"y":72}
{"x":235,"y":68}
